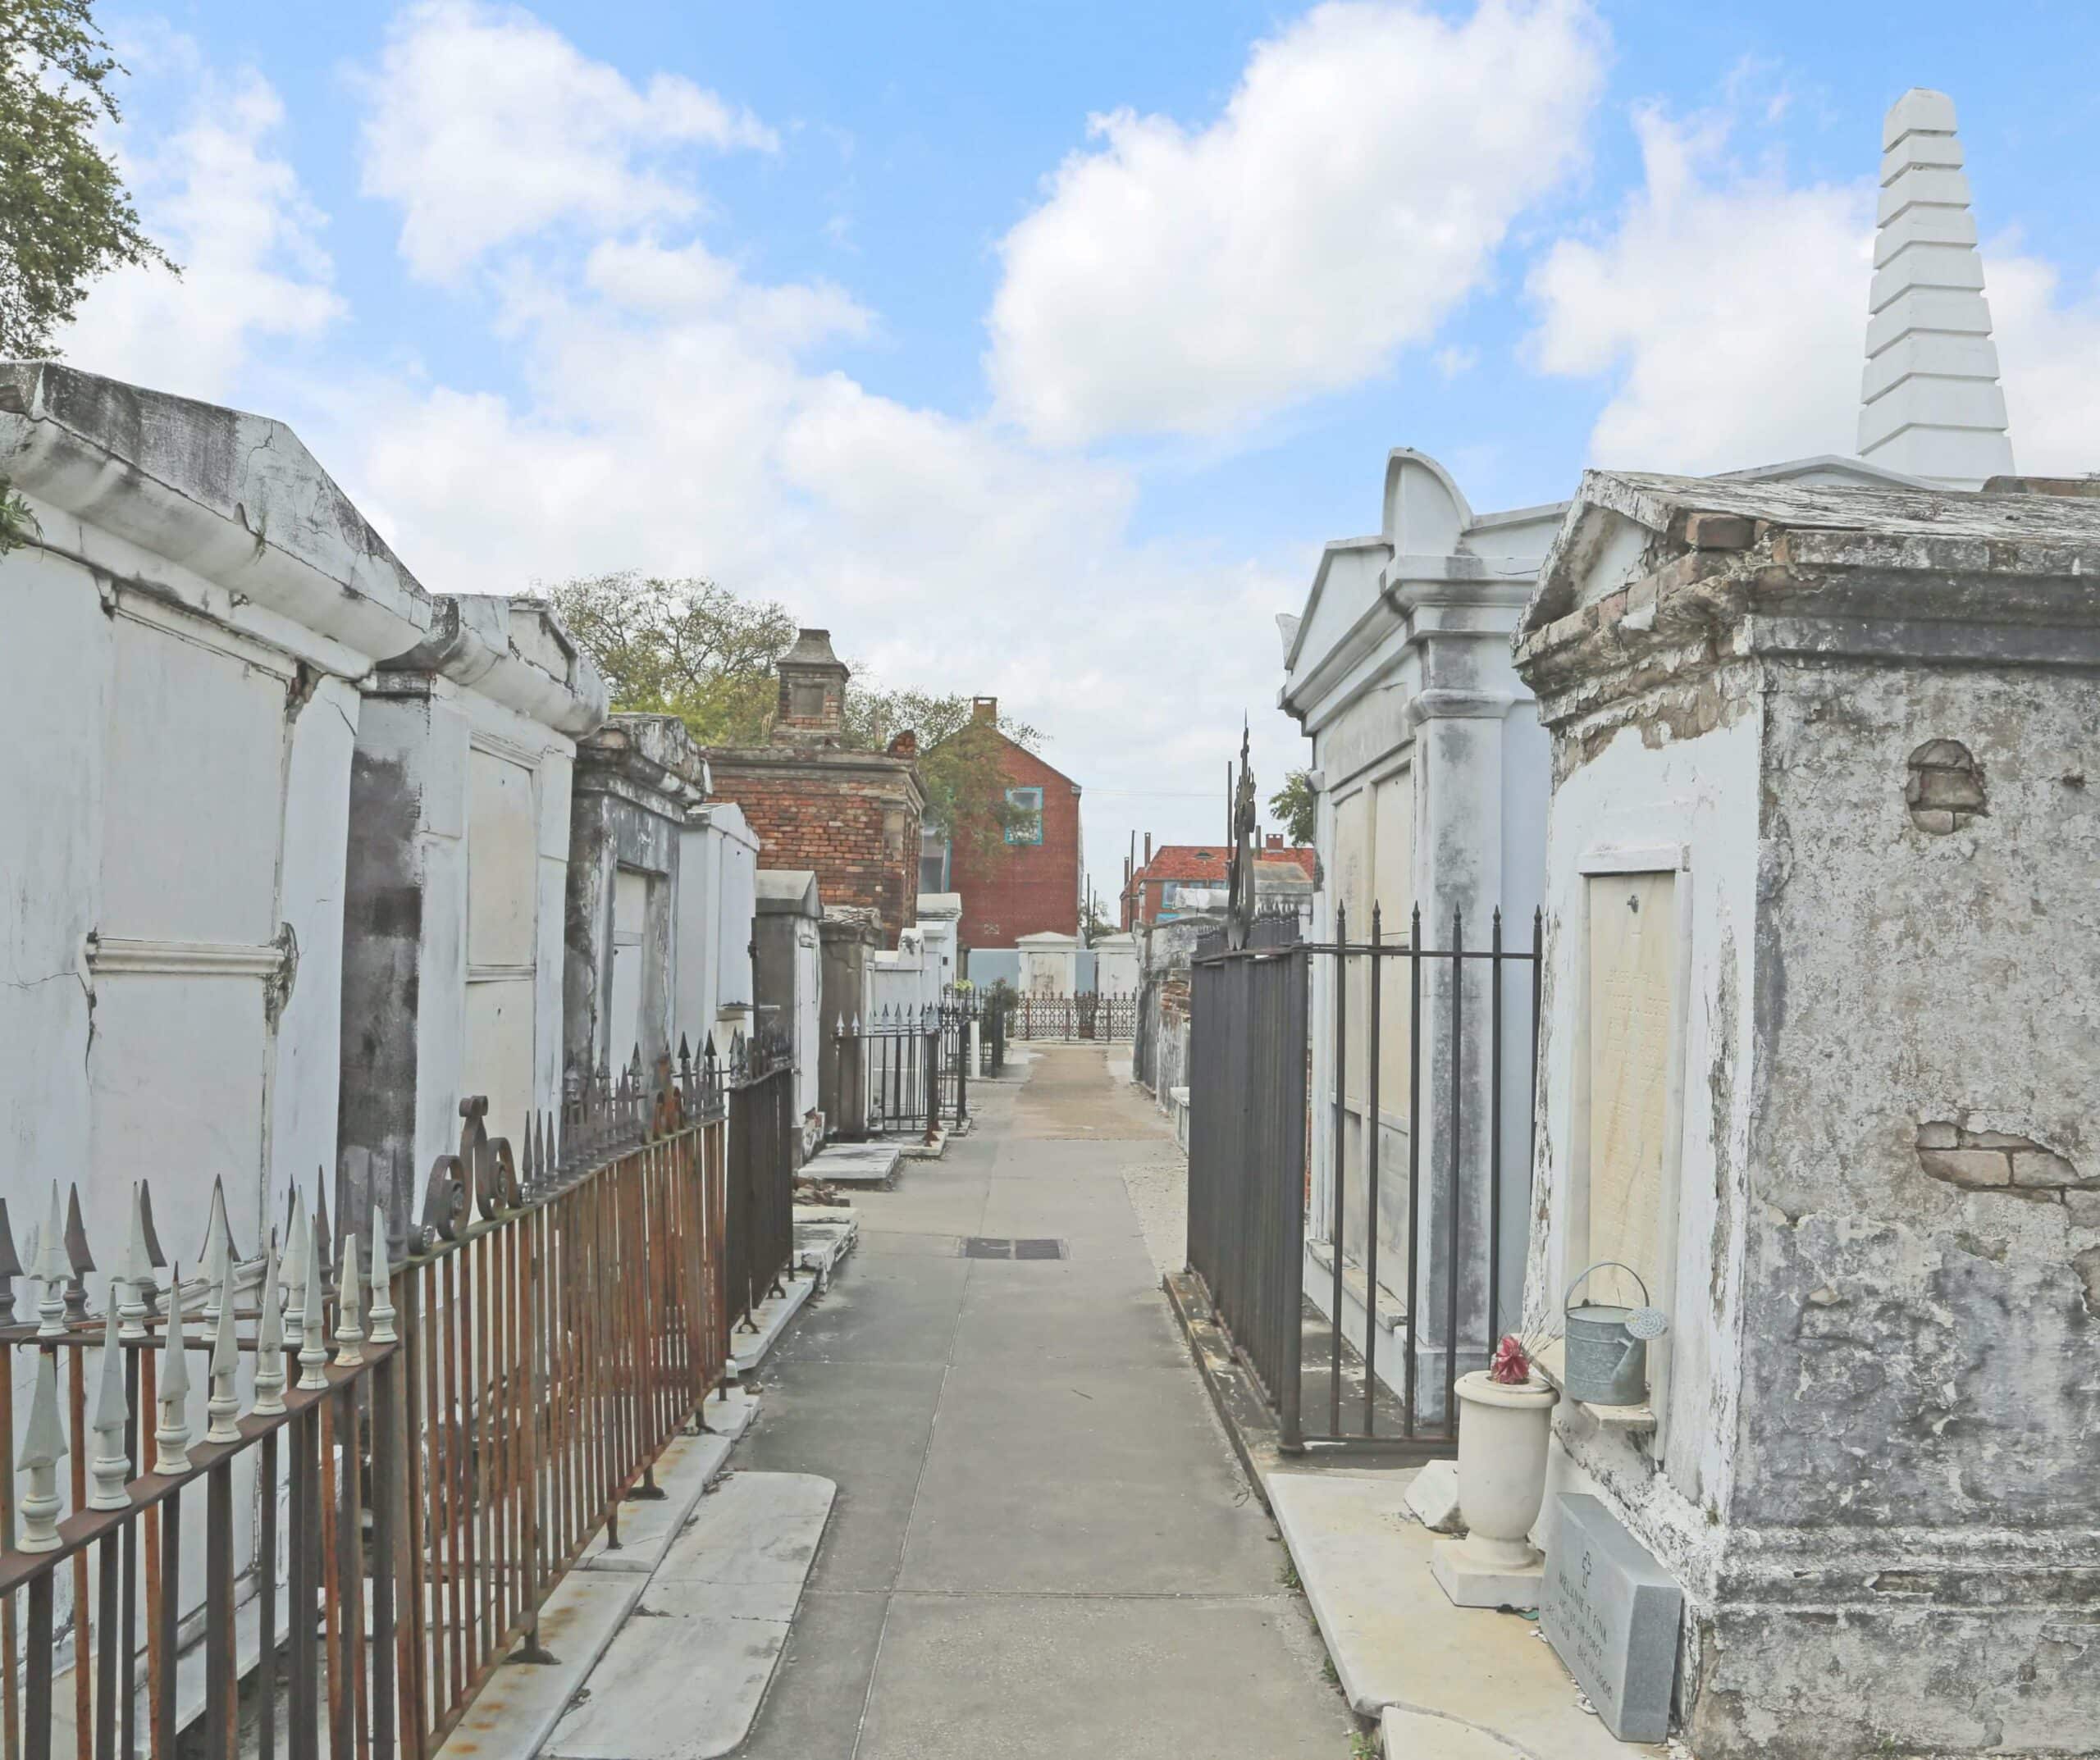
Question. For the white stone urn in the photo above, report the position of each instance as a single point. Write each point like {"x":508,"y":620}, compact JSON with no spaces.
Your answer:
{"x":1503,"y":1433}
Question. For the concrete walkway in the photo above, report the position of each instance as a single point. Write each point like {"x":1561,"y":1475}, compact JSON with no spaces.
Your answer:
{"x":1041,"y":1545}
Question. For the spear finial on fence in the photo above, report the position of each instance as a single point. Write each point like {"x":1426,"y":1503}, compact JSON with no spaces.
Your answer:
{"x":137,"y":1270}
{"x":382,"y":1287}
{"x":11,"y":1268}
{"x":43,"y":1448}
{"x":223,"y":1407}
{"x":217,"y":1254}
{"x":270,"y":1342}
{"x":172,"y":1437}
{"x":298,"y":1252}
{"x":77,"y":1257}
{"x":313,"y":1347}
{"x":349,"y":1334}
{"x":53,"y":1270}
{"x":324,"y":1237}
{"x":108,"y":1464}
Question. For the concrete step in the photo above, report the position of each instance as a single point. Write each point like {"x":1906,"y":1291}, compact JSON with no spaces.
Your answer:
{"x":517,"y":1711}
{"x":684,"y":1678}
{"x":853,"y":1164}
{"x":1424,"y":1736}
{"x":825,"y":1233}
{"x":684,"y":1471}
{"x":1397,"y":1642}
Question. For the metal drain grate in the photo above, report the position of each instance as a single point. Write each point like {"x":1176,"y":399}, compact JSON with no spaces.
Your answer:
{"x":995,"y":1246}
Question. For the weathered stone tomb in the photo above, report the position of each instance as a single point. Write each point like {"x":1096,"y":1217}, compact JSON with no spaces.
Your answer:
{"x":1823,"y":852}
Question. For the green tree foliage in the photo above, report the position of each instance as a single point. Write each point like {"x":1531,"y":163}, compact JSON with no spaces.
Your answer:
{"x":961,"y":763}
{"x":1296,"y":806}
{"x":688,"y":648}
{"x":65,"y":215}
{"x":693,"y":649}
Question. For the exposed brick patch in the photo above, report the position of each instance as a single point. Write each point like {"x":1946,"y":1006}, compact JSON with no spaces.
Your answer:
{"x":1997,"y":1161}
{"x":1944,"y":788}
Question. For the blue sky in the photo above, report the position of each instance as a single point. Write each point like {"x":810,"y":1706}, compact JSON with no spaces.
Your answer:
{"x":862,"y":308}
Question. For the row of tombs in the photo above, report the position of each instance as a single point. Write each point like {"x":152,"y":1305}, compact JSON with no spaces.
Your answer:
{"x":1794,"y":768}
{"x":312,"y":854}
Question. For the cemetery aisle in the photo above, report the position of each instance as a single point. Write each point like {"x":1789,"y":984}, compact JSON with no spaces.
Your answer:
{"x":1042,"y":1545}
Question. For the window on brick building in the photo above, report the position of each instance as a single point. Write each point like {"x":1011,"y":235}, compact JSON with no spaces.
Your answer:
{"x":1028,"y":800}
{"x":933,"y":860}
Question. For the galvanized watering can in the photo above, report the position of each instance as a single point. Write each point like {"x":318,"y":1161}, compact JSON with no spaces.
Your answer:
{"x":1606,"y":1362}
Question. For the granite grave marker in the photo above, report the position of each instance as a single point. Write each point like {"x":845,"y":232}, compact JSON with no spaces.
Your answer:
{"x":1612,"y":1613}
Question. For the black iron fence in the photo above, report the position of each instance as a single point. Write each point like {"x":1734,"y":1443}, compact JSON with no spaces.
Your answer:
{"x":993,"y":1035}
{"x":914,"y":1064}
{"x":1039,"y":1015}
{"x":765,"y":1145}
{"x":1422,"y":1156}
{"x":1247,"y":1151}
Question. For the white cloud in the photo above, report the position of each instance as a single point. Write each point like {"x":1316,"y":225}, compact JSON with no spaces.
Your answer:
{"x":2049,"y":357}
{"x":665,"y":408}
{"x":488,"y":126}
{"x":1730,"y":306}
{"x":1355,"y":189}
{"x":233,"y":214}
{"x":1729,"y":309}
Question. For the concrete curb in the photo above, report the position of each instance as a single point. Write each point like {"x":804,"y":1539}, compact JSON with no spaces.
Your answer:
{"x":747,"y":1350}
{"x":1240,"y":1407}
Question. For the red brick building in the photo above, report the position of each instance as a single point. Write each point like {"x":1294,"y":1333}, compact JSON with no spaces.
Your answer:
{"x":852,"y":817}
{"x":1033,"y":883}
{"x":1179,"y":878}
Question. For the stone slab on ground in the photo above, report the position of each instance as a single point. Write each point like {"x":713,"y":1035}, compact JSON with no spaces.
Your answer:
{"x":515,"y":1713}
{"x":853,"y":1164}
{"x":687,"y":1467}
{"x":825,"y":1233}
{"x":684,"y":1678}
{"x":1425,"y":1736}
{"x":1397,"y":1642}
{"x":1433,"y":1498}
{"x":770,"y":1317}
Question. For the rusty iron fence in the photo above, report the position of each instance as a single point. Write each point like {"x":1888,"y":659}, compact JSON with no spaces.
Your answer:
{"x":914,"y":1065}
{"x":501,"y":1375}
{"x":1465,"y":1054}
{"x":1039,"y":1015}
{"x":765,"y":1151}
{"x":992,"y":1037}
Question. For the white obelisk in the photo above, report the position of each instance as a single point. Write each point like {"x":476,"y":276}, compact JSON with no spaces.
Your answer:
{"x":1930,"y":405}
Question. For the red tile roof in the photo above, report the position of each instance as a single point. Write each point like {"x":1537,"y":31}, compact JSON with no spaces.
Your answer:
{"x":1189,"y":861}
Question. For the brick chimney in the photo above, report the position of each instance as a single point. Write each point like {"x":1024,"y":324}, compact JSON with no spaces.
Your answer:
{"x":984,"y":712}
{"x":812,"y":705}
{"x":1276,"y":842}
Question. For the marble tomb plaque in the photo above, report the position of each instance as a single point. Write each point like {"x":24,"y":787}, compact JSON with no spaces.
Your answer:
{"x":1633,"y":997}
{"x":1613,"y":1613}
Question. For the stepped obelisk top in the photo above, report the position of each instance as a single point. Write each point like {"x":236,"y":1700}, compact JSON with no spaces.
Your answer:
{"x":1930,"y":403}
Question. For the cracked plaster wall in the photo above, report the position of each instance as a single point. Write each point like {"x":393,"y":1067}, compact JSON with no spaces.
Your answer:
{"x":1879,"y":1399}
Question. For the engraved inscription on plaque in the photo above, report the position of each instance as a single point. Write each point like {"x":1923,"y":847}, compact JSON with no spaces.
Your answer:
{"x":1612,"y":1613}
